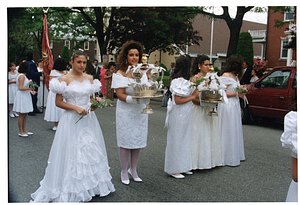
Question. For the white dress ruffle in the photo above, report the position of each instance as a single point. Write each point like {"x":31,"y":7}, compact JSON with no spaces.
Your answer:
{"x":77,"y":166}
{"x":230,"y":123}
{"x":289,"y":140}
{"x":179,"y":123}
{"x":12,"y":88}
{"x":131,"y":124}
{"x":23,"y":100}
{"x":53,"y":113}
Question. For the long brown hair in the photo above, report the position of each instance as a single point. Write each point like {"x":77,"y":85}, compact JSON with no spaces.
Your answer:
{"x":122,"y":57}
{"x":234,"y":64}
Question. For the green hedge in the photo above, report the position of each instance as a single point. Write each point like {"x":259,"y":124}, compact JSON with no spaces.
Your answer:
{"x":165,"y":80}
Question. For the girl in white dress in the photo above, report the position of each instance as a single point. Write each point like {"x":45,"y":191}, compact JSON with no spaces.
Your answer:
{"x":178,"y":157}
{"x":206,"y":139}
{"x":230,"y":120}
{"x":12,"y":88}
{"x":77,"y":165}
{"x":131,"y":124}
{"x":289,"y":140}
{"x":42,"y":91}
{"x":23,"y":103}
{"x":254,"y":76}
{"x":54,"y":113}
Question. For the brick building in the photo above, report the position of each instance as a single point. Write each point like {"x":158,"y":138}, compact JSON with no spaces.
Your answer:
{"x":277,"y":38}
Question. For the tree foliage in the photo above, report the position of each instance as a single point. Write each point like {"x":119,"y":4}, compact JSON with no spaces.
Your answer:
{"x":245,"y":48}
{"x":65,"y":54}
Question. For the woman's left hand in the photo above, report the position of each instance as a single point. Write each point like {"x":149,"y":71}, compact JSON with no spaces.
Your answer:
{"x":93,"y":108}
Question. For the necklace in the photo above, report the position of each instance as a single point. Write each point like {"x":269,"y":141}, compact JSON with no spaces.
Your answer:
{"x":201,"y":75}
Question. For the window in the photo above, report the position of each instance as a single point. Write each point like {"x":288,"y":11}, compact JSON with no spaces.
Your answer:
{"x":289,"y":16}
{"x":67,"y":43}
{"x":278,"y":79}
{"x":283,"y":52}
{"x":86,"y":45}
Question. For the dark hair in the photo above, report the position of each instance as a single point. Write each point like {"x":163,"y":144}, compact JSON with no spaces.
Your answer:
{"x":122,"y":57}
{"x":293,"y":102}
{"x":198,"y":60}
{"x":10,"y":65}
{"x":89,"y":69}
{"x":78,"y":53}
{"x":29,"y":56}
{"x":23,"y":67}
{"x":111,"y":64}
{"x":60,"y":64}
{"x":182,"y":67}
{"x":95,"y":60}
{"x":256,"y":71}
{"x":234,"y":64}
{"x":40,"y":60}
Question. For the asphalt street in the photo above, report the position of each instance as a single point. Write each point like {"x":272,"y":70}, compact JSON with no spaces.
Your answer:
{"x":263,"y":177}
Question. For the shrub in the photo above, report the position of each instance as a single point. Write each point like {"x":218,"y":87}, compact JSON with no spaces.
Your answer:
{"x":65,"y":54}
{"x":245,"y":48}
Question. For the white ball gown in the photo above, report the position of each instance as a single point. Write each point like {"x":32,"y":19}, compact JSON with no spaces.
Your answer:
{"x":12,"y":88}
{"x":53,"y":113}
{"x":179,"y":124}
{"x":77,"y":166}
{"x":230,"y":123}
{"x":289,"y":140}
{"x":23,"y":101}
{"x":131,"y":124}
{"x":41,"y":94}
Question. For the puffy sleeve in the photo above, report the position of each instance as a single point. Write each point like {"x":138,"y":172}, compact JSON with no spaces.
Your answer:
{"x":181,"y":87}
{"x":96,"y":86}
{"x":119,"y":81}
{"x":289,"y":136}
{"x":226,"y":80}
{"x":56,"y":86}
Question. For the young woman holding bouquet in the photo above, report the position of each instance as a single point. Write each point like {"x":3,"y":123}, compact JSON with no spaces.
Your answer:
{"x":230,"y":120}
{"x":131,"y":124}
{"x":23,"y":103}
{"x":54,"y":113}
{"x":77,"y":166}
{"x":178,"y":157}
{"x":206,"y":139}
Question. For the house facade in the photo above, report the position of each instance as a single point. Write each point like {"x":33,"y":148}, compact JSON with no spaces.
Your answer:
{"x":221,"y":34}
{"x":277,"y":38}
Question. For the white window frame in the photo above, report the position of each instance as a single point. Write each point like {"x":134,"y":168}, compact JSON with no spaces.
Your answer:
{"x":291,"y":12}
{"x":67,"y":43}
{"x":88,"y":45}
{"x":284,"y":42}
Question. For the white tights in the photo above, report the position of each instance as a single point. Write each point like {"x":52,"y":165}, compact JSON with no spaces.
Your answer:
{"x":124,"y":158}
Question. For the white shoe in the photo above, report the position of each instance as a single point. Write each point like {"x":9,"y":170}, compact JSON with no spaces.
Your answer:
{"x":16,"y":114}
{"x":135,"y":179}
{"x":24,"y":135}
{"x":189,"y":173}
{"x":11,"y":115}
{"x":126,"y":182}
{"x":54,"y":128}
{"x":29,"y":133}
{"x":178,"y":176}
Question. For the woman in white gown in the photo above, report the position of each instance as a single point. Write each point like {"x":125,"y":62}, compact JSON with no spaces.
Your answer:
{"x":206,"y":139}
{"x":131,"y":124}
{"x":54,"y":113}
{"x":42,"y":91}
{"x":12,"y":88}
{"x":230,"y":120}
{"x":289,"y":140}
{"x":178,"y":157}
{"x":77,"y":166}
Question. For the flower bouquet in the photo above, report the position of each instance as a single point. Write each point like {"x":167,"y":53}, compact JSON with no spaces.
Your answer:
{"x":241,"y":89}
{"x":32,"y":84}
{"x":96,"y":103}
{"x":198,"y":81}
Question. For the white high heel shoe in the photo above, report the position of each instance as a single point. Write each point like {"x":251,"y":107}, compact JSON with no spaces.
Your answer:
{"x":126,"y":182}
{"x":137,"y":179}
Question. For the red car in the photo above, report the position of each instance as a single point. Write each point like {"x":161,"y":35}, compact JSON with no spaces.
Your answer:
{"x":270,"y":95}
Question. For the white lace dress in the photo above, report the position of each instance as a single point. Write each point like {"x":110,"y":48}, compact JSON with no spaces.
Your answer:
{"x":179,"y":124}
{"x":289,"y":140}
{"x":23,"y":101}
{"x":131,"y":124}
{"x":12,"y":88}
{"x":53,"y":113}
{"x":77,"y":166}
{"x":230,"y":123}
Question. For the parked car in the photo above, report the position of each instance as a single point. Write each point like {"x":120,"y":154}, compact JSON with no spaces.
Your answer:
{"x":270,"y":95}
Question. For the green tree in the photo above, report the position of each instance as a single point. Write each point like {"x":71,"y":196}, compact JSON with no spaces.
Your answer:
{"x":245,"y":48}
{"x":65,"y":54}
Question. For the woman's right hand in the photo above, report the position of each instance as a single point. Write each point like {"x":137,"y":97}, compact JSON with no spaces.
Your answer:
{"x":196,"y":93}
{"x":80,"y":110}
{"x":241,"y":95}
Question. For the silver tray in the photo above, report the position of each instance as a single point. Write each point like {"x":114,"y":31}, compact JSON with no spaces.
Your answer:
{"x":212,"y":101}
{"x":141,"y":97}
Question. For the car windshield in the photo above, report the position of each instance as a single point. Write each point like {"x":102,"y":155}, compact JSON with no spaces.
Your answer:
{"x":278,"y":79}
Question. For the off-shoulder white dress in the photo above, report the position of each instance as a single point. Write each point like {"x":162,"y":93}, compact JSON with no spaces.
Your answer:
{"x":131,"y":124}
{"x":77,"y":166}
{"x":289,"y":140}
{"x":230,"y":123}
{"x":179,"y":123}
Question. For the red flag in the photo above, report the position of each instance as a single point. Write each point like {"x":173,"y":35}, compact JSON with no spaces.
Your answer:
{"x":46,"y":52}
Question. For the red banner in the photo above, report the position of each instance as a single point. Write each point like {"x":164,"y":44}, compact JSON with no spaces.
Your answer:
{"x":46,"y":53}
